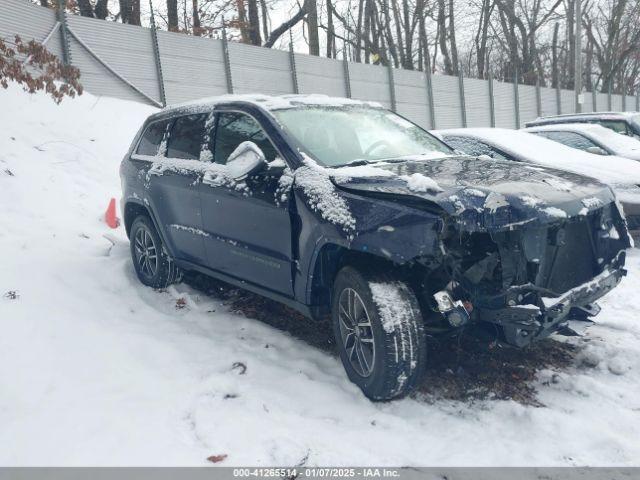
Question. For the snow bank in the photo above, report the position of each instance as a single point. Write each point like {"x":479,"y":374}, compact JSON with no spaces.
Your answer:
{"x":99,"y":370}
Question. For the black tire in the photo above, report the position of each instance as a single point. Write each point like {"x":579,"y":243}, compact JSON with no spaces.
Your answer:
{"x":153,"y":265}
{"x":399,"y":351}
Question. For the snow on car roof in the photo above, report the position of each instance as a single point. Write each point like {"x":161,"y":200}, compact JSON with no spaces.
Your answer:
{"x":619,"y":144}
{"x":536,"y":149}
{"x":271,"y":102}
{"x":588,"y":115}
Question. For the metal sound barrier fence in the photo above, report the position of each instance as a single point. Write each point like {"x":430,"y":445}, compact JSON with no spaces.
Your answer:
{"x":162,"y":68}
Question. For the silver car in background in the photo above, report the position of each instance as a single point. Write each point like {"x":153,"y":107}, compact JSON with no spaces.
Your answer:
{"x":590,"y":138}
{"x":621,"y":174}
{"x":625,"y":123}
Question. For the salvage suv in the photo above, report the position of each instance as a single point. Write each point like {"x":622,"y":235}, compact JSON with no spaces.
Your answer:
{"x":345,"y":210}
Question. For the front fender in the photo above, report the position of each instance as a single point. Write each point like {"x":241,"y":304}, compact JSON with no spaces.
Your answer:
{"x":382,"y":228}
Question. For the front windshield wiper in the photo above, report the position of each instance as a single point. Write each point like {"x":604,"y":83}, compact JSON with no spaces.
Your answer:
{"x":353,"y":163}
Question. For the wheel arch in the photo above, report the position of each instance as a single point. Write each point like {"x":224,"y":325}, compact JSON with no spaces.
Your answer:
{"x":328,"y":260}
{"x":134,"y":208}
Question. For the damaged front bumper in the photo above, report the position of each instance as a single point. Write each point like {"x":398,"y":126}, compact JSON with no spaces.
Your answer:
{"x":523,"y":324}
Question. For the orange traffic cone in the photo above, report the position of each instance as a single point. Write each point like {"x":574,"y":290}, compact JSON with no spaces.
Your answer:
{"x":110,"y":215}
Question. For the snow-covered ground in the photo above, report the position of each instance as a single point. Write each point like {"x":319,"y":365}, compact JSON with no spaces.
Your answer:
{"x":96,"y":369}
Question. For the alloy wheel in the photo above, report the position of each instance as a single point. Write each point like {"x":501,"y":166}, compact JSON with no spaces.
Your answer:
{"x":356,"y":332}
{"x":146,"y":252}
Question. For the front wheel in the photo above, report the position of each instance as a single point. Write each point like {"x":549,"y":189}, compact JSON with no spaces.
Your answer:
{"x":379,"y":331}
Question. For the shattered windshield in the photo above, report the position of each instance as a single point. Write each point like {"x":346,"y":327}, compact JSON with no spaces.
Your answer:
{"x":338,"y":136}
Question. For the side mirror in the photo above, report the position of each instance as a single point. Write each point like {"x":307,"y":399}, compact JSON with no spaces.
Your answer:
{"x":246,"y":159}
{"x":596,"y":150}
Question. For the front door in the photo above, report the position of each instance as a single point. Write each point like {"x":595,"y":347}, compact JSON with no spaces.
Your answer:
{"x":247,"y":222}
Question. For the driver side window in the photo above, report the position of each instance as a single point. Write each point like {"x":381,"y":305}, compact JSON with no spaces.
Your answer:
{"x":234,"y":128}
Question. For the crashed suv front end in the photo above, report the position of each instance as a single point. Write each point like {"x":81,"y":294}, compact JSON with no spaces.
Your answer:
{"x":532,"y":279}
{"x":520,"y":249}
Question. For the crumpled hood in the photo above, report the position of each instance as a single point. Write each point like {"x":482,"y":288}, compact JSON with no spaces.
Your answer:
{"x":482,"y":194}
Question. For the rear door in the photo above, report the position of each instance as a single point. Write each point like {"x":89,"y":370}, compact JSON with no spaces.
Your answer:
{"x":247,"y":222}
{"x":173,"y":187}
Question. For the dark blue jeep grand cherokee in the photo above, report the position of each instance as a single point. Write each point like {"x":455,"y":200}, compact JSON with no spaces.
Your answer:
{"x":343,"y":209}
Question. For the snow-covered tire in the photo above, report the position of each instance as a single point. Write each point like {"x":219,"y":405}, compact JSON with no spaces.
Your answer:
{"x":160,"y":271}
{"x":399,"y":351}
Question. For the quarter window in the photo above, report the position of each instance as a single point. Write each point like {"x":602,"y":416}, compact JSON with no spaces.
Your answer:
{"x":186,"y":137}
{"x":233,"y":129}
{"x":152,"y":138}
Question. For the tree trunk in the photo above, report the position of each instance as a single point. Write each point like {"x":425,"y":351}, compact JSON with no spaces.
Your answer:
{"x":588,"y":67}
{"x":452,"y":39}
{"x":368,"y":14}
{"x":555,"y":73}
{"x":442,"y":35}
{"x":242,"y":22}
{"x":312,"y":24}
{"x":265,"y":19}
{"x":125,"y":10}
{"x":361,"y":13}
{"x":254,"y":23}
{"x":331,"y":38}
{"x":102,"y":9}
{"x":172,"y":15}
{"x":134,"y":12}
{"x":197,"y":26}
{"x":86,"y":9}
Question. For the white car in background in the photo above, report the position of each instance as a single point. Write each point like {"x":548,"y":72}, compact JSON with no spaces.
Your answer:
{"x":590,"y":138}
{"x":622,"y":174}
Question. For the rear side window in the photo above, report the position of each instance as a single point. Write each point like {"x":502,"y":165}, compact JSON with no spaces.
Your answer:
{"x":570,"y":139}
{"x":152,"y":137}
{"x":472,"y":146}
{"x":235,"y":128}
{"x":186,"y":137}
{"x":618,"y":126}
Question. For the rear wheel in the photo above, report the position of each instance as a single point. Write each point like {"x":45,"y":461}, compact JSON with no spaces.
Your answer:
{"x":151,"y":261}
{"x":379,"y":331}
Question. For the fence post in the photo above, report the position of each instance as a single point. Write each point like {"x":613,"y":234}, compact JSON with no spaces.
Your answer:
{"x":227,"y":60}
{"x":609,"y":107}
{"x":638,"y":101}
{"x":392,"y":87}
{"x":538,"y":98}
{"x":156,"y":54}
{"x":516,"y":99}
{"x":429,"y":85}
{"x":558,"y":99}
{"x":347,"y":77}
{"x":64,"y":34}
{"x":294,"y":72}
{"x":463,"y":106}
{"x":594,"y":98}
{"x":492,"y":106}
